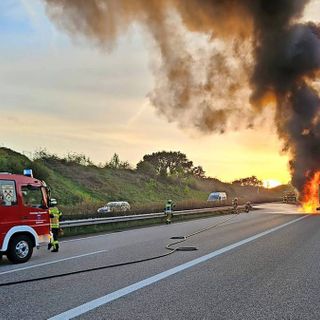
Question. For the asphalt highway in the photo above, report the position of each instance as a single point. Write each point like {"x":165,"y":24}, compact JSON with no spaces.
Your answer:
{"x":258,"y":265}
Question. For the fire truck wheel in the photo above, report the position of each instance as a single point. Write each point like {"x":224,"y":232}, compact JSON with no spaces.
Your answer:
{"x":20,"y":249}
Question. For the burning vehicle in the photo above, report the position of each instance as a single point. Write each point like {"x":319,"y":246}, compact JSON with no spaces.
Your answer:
{"x":310,"y":196}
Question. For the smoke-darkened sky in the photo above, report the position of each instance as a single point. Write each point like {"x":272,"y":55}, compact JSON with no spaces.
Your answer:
{"x":71,"y":95}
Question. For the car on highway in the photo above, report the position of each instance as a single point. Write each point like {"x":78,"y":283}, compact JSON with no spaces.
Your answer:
{"x":217,"y":196}
{"x":115,"y":206}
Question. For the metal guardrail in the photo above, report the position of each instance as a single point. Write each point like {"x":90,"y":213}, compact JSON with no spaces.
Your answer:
{"x":95,"y":221}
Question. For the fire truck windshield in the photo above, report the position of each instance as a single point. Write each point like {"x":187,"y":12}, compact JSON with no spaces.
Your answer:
{"x":33,"y":197}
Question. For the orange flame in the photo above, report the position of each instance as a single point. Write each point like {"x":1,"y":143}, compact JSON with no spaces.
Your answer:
{"x":310,"y":196}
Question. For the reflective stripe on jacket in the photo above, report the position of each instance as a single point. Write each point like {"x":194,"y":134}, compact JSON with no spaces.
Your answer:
{"x":55,"y":215}
{"x":168,"y":208}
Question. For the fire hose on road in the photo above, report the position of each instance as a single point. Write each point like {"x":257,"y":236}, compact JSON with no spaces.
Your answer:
{"x":171,"y":247}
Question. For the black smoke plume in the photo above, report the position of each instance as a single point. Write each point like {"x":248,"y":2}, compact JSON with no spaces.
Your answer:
{"x":265,"y":48}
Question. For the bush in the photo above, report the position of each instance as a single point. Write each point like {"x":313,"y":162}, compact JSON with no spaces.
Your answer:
{"x":146,"y":168}
{"x":40,"y":171}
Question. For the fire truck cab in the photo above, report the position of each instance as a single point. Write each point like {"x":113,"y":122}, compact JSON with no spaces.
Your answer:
{"x":24,"y":216}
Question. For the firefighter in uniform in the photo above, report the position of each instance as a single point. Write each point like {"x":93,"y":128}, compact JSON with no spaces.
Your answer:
{"x":235,"y":203}
{"x":248,"y":206}
{"x":55,"y":216}
{"x":168,"y":211}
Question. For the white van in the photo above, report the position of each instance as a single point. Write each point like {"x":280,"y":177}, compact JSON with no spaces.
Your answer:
{"x":115,"y":206}
{"x":217,"y":196}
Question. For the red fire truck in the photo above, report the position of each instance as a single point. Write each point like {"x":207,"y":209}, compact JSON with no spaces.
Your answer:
{"x":24,"y":215}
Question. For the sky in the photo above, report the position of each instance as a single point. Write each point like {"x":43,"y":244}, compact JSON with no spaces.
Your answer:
{"x":68,"y":95}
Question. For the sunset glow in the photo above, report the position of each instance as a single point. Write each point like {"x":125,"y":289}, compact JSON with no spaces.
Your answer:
{"x":271,"y":183}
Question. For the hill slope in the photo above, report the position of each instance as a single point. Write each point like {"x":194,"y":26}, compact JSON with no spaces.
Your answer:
{"x":73,"y":183}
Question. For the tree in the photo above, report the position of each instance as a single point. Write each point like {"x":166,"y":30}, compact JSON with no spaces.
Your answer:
{"x":249,"y":181}
{"x":78,"y":158}
{"x":44,"y":154}
{"x":167,"y":163}
{"x":125,"y":165}
{"x":198,"y":172}
{"x":116,"y":163}
{"x":146,"y":168}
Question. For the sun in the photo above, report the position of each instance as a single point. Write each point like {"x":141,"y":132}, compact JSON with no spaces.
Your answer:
{"x":271,"y":183}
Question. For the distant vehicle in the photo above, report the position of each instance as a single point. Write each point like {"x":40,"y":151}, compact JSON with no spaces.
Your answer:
{"x":115,"y":206}
{"x":289,"y":197}
{"x":217,"y":196}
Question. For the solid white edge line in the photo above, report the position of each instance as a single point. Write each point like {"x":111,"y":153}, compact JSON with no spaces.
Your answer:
{"x":86,"y":307}
{"x":52,"y":262}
